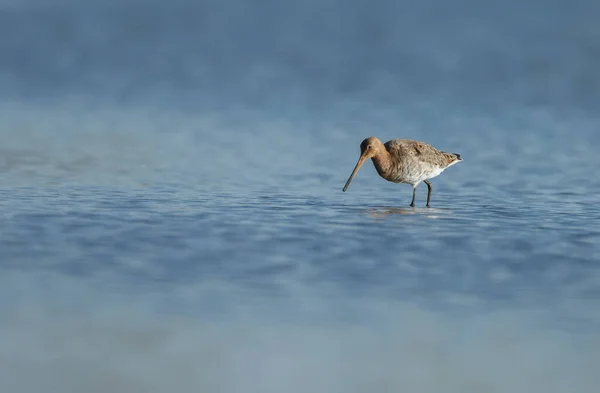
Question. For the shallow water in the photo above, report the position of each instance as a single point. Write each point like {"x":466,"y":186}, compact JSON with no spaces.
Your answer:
{"x":169,"y":229}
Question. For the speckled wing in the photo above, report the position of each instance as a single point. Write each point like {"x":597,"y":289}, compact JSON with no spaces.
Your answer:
{"x":415,"y":151}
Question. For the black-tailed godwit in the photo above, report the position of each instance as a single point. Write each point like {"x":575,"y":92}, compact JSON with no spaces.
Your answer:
{"x":405,"y":161}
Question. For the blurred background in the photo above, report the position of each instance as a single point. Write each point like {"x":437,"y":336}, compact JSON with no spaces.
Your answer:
{"x":171,"y":205}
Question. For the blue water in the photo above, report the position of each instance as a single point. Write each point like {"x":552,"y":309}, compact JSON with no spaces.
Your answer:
{"x":172,"y":215}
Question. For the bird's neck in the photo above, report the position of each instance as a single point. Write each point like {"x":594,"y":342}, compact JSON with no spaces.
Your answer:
{"x":383,"y":163}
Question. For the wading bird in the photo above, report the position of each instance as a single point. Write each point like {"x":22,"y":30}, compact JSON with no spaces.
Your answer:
{"x":405,"y":161}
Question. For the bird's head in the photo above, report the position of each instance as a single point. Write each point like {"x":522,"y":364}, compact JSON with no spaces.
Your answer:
{"x":369,"y":148}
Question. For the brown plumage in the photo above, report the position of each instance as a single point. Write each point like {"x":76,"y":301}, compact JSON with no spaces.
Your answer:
{"x":404,"y":161}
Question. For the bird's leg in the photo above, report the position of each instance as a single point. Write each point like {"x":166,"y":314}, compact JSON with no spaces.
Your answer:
{"x":412,"y":203}
{"x":428,"y":191}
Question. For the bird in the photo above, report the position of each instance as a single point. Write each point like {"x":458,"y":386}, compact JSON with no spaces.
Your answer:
{"x":405,"y":161}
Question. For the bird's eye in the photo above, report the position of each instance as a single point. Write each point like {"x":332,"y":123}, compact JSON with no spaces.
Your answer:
{"x":368,"y":147}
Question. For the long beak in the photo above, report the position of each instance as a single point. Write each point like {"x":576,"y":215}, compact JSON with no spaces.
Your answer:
{"x":361,"y":161}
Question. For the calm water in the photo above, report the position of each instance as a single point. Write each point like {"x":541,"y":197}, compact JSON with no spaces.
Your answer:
{"x":172,"y":215}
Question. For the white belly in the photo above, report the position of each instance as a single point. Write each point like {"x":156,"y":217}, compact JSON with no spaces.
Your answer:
{"x":416,"y":171}
{"x":416,"y":175}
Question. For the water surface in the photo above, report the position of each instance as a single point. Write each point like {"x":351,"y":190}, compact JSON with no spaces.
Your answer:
{"x":172,"y":215}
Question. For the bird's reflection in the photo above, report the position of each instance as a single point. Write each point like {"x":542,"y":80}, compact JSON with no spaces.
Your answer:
{"x":381,"y":212}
